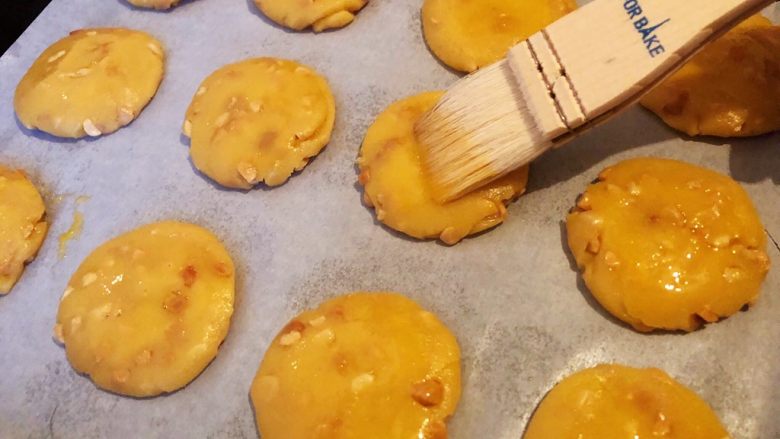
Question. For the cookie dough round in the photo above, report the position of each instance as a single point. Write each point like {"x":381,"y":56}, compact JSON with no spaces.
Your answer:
{"x":391,"y":172}
{"x":146,"y":312}
{"x":154,"y":4}
{"x":468,"y":35}
{"x":259,"y":120}
{"x":22,"y":225}
{"x":92,"y":82}
{"x":620,"y":402}
{"x":667,"y":245}
{"x":363,"y":365}
{"x":730,"y":89}
{"x":320,"y":15}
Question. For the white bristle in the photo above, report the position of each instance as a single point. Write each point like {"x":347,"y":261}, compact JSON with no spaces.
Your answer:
{"x":480,"y":130}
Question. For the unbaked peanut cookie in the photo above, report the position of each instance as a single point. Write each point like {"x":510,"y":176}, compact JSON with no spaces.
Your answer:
{"x":92,"y":82}
{"x":667,"y":245}
{"x":392,"y":175}
{"x":259,"y":120}
{"x":320,"y":15}
{"x":154,"y":4}
{"x":471,"y":34}
{"x":146,"y":312}
{"x":730,"y":89}
{"x":620,"y":402}
{"x":22,"y":225}
{"x":363,"y":365}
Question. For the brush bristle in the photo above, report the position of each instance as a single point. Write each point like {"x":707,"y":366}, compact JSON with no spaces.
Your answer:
{"x":480,"y":130}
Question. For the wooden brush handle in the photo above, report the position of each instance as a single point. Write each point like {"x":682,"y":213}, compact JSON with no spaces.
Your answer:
{"x":609,"y":53}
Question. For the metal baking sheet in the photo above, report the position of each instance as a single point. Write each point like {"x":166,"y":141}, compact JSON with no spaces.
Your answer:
{"x":511,"y":296}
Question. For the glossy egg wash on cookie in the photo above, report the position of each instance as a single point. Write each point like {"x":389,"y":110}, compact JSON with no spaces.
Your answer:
{"x":146,"y":312}
{"x":471,"y":34}
{"x":92,"y":82}
{"x":667,"y":245}
{"x":391,"y":172}
{"x":730,"y":89}
{"x":363,"y":365}
{"x":22,"y":225}
{"x":620,"y":402}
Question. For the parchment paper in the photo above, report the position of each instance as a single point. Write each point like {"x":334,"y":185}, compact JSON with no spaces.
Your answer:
{"x":511,"y":296}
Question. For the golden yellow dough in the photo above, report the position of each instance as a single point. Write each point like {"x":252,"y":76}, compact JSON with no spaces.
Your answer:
{"x":146,"y":312}
{"x":92,"y":82}
{"x":22,"y":225}
{"x":471,"y":34}
{"x":391,"y":172}
{"x":611,"y":401}
{"x":154,"y":4}
{"x":363,"y":365}
{"x":731,"y":89}
{"x":259,"y":120}
{"x":320,"y":15}
{"x":667,"y":245}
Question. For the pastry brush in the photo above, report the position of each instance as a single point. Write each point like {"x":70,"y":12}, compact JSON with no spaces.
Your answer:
{"x":571,"y":76}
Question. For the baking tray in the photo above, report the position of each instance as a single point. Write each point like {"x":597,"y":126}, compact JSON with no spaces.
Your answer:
{"x":511,"y":296}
